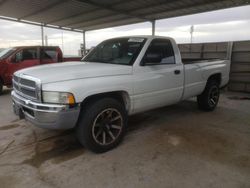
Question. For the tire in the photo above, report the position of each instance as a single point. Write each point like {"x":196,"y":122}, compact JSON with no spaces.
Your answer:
{"x":1,"y":87}
{"x":97,"y":120}
{"x":209,"y":98}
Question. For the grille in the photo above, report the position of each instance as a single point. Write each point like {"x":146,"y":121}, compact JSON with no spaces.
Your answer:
{"x":26,"y":87}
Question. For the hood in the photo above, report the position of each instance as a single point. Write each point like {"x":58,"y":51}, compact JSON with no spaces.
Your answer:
{"x":74,"y":70}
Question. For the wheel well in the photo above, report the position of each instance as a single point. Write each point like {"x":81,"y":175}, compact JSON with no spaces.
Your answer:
{"x":121,"y":96}
{"x":216,"y":77}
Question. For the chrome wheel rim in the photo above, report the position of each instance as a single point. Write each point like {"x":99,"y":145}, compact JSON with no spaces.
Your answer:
{"x":107,"y":126}
{"x":214,"y":96}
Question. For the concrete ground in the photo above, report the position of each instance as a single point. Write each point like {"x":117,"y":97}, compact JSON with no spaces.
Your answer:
{"x":177,"y":146}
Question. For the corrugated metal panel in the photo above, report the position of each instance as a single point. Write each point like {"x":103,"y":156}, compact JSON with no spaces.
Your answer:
{"x":204,"y":50}
{"x":18,"y":9}
{"x":81,"y":17}
{"x":64,"y":9}
{"x":240,"y":65}
{"x":240,"y":69}
{"x":95,"y":14}
{"x":98,"y":21}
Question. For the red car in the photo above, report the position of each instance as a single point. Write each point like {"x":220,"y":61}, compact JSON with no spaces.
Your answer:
{"x":14,"y":59}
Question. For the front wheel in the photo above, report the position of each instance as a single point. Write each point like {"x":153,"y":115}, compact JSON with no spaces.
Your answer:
{"x":102,"y":125}
{"x":209,"y":98}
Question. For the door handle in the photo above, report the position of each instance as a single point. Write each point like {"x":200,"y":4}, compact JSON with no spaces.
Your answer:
{"x":177,"y":72}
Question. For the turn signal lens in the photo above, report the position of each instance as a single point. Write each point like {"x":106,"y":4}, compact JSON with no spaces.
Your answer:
{"x":71,"y":99}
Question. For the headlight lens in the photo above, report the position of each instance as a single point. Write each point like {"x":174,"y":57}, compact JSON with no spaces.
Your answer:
{"x":58,"y":97}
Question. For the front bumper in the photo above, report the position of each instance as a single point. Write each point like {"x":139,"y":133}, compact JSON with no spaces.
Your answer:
{"x":49,"y":116}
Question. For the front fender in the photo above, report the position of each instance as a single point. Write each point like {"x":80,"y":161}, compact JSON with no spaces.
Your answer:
{"x":83,"y":88}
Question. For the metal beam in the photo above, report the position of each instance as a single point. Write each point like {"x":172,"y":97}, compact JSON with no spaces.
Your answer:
{"x":50,"y":6}
{"x":111,"y":24}
{"x":39,"y":24}
{"x":98,"y":21}
{"x":133,"y":17}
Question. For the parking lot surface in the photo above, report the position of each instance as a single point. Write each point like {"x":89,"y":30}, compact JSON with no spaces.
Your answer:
{"x":175,"y":146}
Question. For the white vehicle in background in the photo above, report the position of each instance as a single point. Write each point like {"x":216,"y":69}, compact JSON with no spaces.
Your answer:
{"x":120,"y":77}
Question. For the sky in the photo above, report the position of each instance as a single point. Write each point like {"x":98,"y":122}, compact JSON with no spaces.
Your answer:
{"x":223,"y":25}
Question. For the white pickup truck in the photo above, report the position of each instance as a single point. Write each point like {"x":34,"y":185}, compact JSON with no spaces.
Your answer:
{"x":120,"y":77}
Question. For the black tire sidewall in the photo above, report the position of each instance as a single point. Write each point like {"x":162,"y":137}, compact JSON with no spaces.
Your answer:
{"x":212,"y":86}
{"x":1,"y":87}
{"x":203,"y":99}
{"x":87,"y":117}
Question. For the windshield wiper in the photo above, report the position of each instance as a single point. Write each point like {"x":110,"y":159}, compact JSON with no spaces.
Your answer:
{"x":96,"y":60}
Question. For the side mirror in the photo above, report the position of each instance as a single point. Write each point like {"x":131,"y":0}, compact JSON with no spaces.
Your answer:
{"x":151,"y":59}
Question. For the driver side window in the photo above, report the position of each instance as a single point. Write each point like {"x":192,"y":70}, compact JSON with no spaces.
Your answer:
{"x":159,"y":52}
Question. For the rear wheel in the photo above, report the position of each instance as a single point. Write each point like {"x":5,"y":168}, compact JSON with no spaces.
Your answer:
{"x":209,"y":98}
{"x":102,"y":124}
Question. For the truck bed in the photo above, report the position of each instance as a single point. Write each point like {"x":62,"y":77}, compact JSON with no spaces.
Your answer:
{"x":197,"y":72}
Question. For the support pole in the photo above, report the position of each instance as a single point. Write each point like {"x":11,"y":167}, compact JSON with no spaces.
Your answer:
{"x":46,"y":40}
{"x":153,"y":27}
{"x":84,"y":43}
{"x":62,"y":43}
{"x":191,"y":33}
{"x":42,"y":35}
{"x":229,"y":50}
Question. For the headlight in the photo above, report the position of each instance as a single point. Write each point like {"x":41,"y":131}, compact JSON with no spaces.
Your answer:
{"x":58,"y":97}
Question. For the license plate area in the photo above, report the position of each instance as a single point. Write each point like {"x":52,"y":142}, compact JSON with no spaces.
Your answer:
{"x":29,"y":112}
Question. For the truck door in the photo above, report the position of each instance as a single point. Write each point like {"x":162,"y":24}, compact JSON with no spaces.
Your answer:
{"x":159,"y":79}
{"x":23,"y":58}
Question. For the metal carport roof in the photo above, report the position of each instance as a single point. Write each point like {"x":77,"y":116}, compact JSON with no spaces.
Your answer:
{"x":85,"y":15}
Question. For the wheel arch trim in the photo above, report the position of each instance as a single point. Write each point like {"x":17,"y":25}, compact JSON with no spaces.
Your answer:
{"x":120,"y":95}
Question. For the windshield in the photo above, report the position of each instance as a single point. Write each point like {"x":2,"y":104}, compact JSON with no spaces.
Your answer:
{"x":6,"y":52}
{"x":121,"y":51}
